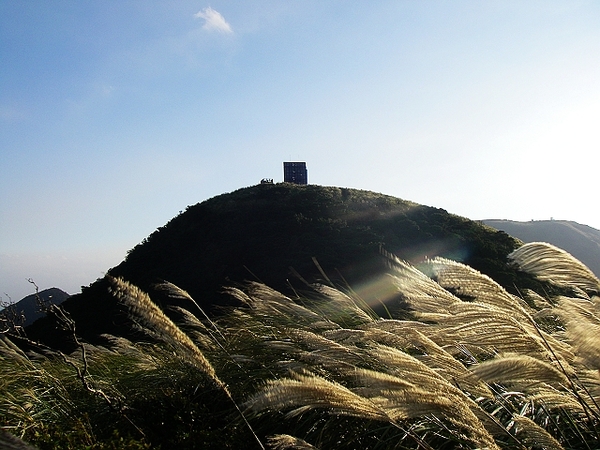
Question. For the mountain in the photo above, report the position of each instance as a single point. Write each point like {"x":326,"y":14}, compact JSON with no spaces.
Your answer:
{"x":321,"y":362}
{"x":282,"y":234}
{"x":29,"y":308}
{"x":582,"y":241}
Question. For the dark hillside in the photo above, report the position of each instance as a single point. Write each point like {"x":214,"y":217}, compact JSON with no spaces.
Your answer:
{"x":29,"y":308}
{"x":264,"y":230}
{"x":261,"y":231}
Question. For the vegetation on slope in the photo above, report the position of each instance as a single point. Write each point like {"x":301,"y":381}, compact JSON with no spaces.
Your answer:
{"x":273,"y":232}
{"x":474,"y":367}
{"x":263,"y":230}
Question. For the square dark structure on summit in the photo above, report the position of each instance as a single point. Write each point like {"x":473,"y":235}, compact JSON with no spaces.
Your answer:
{"x":295,"y":172}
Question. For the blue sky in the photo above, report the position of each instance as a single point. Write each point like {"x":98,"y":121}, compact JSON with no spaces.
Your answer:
{"x":114,"y":116}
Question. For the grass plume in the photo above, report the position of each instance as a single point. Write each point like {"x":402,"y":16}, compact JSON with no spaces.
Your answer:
{"x":550,"y":263}
{"x":149,"y":315}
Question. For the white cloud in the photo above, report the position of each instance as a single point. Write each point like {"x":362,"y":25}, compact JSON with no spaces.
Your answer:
{"x":213,"y":21}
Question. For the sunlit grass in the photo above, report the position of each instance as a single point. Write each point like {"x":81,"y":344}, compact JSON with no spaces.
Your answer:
{"x":474,"y":367}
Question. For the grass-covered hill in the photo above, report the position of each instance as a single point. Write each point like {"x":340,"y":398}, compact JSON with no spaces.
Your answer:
{"x":487,"y":343}
{"x":261,"y":231}
{"x":274,"y":232}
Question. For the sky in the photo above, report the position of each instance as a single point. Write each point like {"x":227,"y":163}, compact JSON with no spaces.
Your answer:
{"x":115,"y":116}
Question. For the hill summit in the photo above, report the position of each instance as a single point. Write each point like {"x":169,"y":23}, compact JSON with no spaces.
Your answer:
{"x":283,"y":234}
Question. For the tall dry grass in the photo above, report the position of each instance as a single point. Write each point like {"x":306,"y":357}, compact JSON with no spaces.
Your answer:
{"x":550,"y":263}
{"x":474,"y":363}
{"x":474,"y":367}
{"x":153,"y":319}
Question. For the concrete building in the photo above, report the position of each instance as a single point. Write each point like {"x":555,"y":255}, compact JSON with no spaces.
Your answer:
{"x":295,"y":172}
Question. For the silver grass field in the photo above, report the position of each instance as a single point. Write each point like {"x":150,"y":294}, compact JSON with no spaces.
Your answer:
{"x":470,"y":366}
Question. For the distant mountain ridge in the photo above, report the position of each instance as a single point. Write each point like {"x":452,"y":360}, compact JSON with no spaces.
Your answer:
{"x":582,"y":241}
{"x":28,"y":306}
